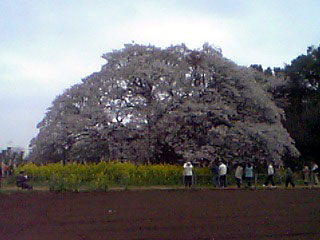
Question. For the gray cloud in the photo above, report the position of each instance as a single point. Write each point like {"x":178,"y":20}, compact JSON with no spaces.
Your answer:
{"x":47,"y":46}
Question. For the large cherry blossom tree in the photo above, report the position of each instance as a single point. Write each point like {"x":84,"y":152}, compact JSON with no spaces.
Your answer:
{"x":149,"y":104}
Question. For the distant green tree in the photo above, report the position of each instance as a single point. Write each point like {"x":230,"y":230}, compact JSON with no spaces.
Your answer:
{"x":268,"y":71}
{"x":303,"y":112}
{"x":278,"y":72}
{"x":257,"y":67}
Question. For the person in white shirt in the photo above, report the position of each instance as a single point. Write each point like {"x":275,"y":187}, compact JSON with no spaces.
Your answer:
{"x":188,"y":174}
{"x":223,"y":174}
{"x":270,"y":176}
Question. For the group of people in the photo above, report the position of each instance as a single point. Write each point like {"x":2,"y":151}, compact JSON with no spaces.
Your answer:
{"x":7,"y":169}
{"x":246,"y":171}
{"x":310,"y":175}
{"x":271,"y":173}
{"x":220,"y":174}
{"x":220,"y":171}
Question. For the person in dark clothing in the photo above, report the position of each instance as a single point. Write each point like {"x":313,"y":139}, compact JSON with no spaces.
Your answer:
{"x":215,"y":171}
{"x":289,"y":177}
{"x":21,"y":181}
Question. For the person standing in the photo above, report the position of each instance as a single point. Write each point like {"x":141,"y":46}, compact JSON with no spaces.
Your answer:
{"x":223,"y":174}
{"x":306,"y":175}
{"x":248,"y":174}
{"x":188,"y":174}
{"x":215,"y":172}
{"x":6,"y":170}
{"x":3,"y":166}
{"x":289,"y":177}
{"x":314,"y":174}
{"x":270,"y":176}
{"x":238,"y":174}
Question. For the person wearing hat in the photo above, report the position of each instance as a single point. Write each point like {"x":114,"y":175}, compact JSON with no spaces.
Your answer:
{"x":21,"y":181}
{"x":188,"y":174}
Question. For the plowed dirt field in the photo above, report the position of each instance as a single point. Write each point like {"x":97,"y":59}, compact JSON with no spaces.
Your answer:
{"x":161,"y":214}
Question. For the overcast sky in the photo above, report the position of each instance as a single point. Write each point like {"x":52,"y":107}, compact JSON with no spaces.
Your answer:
{"x":47,"y":46}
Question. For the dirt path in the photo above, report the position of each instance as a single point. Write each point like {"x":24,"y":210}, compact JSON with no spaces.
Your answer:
{"x":161,"y":214}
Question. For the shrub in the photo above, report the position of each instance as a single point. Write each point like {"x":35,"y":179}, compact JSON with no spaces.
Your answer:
{"x":103,"y":175}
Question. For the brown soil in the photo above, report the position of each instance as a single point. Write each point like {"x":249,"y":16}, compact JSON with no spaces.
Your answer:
{"x":161,"y":214}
